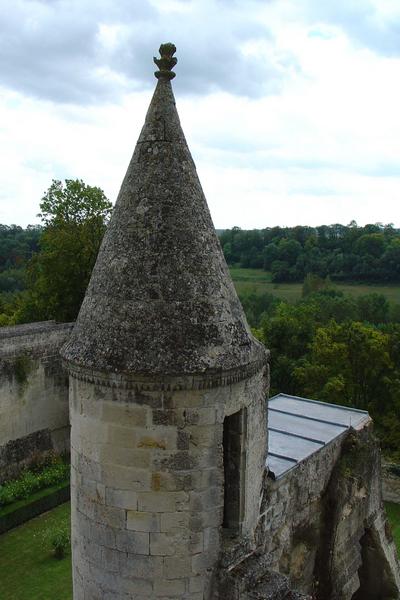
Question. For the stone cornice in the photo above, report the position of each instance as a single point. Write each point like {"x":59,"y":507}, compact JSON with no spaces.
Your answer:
{"x":140,"y":382}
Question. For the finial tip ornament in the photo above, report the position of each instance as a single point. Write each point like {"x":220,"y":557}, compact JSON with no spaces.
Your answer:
{"x":167,"y":62}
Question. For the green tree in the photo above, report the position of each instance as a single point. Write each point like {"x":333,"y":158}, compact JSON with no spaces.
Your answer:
{"x":373,"y":308}
{"x":74,"y":216}
{"x":350,"y":364}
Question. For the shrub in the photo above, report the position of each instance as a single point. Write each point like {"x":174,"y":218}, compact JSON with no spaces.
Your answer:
{"x":30,"y":481}
{"x":60,"y":541}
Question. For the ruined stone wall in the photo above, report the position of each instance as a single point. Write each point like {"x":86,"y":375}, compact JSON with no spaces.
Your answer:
{"x":33,"y":394}
{"x":324,"y":525}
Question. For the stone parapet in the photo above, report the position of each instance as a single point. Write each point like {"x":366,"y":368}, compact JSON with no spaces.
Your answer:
{"x":34,"y":394}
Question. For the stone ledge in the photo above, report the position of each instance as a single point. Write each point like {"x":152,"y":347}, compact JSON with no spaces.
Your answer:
{"x":167,"y":383}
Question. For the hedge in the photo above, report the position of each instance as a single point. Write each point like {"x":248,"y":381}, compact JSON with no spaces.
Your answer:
{"x":21,"y":511}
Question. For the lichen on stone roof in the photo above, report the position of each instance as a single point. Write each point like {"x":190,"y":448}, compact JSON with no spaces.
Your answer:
{"x":160,"y":300}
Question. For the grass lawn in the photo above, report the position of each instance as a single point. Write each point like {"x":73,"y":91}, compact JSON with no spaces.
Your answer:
{"x":248,"y":280}
{"x":28,"y":571}
{"x":393,"y":514}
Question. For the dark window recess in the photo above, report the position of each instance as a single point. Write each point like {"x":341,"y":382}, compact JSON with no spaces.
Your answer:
{"x":234,"y":470}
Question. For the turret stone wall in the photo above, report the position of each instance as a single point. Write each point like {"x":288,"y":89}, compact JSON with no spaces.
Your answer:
{"x":148,"y":485}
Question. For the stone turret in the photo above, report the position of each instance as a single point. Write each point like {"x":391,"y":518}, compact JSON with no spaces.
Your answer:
{"x":167,"y":386}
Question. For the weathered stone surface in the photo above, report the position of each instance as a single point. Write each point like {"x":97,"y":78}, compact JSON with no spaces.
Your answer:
{"x":154,"y":501}
{"x":34,"y":394}
{"x":251,"y":579}
{"x":324,"y":521}
{"x":160,"y":300}
{"x":391,"y":482}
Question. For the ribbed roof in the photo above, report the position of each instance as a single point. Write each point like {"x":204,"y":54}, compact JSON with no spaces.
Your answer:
{"x":161,"y":300}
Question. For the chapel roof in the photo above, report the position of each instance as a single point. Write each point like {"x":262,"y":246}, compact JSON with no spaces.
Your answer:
{"x":161,"y":300}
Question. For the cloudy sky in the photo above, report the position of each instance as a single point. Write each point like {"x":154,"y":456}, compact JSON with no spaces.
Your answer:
{"x":290,"y":107}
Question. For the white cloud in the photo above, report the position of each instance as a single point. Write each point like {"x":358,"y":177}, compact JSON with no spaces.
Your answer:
{"x":292,"y":115}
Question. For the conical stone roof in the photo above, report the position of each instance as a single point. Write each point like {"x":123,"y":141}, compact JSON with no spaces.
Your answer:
{"x":160,"y":300}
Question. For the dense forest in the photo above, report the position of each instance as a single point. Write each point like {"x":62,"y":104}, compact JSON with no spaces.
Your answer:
{"x":328,"y":345}
{"x":345,"y":253}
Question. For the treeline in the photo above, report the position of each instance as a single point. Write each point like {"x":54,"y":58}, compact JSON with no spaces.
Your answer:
{"x":345,"y":253}
{"x":329,"y":346}
{"x":332,"y":347}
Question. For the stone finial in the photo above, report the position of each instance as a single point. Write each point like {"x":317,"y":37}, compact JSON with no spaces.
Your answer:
{"x":166,"y":62}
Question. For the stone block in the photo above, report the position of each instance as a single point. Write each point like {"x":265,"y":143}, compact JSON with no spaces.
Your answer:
{"x":91,"y":429}
{"x":124,"y":414}
{"x":183,"y":440}
{"x":211,"y":538}
{"x":121,"y":436}
{"x":201,"y":520}
{"x":201,"y":416}
{"x":125,"y":457}
{"x":168,"y":482}
{"x":205,"y":436}
{"x":121,"y":498}
{"x":196,"y":584}
{"x":203,"y":561}
{"x":165,"y":417}
{"x":113,"y":582}
{"x":87,"y":467}
{"x":110,"y":515}
{"x":208,"y":458}
{"x":142,"y":567}
{"x":88,"y":490}
{"x":176,"y":567}
{"x":81,"y":524}
{"x":206,"y":499}
{"x":85,"y":446}
{"x":92,"y":551}
{"x":164,"y":544}
{"x":142,"y":521}
{"x":174,"y":521}
{"x":169,"y":588}
{"x":110,"y":560}
{"x":132,"y":542}
{"x":157,"y":438}
{"x":103,"y":535}
{"x":126,"y":478}
{"x":85,"y":505}
{"x":148,"y":398}
{"x":180,"y":461}
{"x":162,"y":501}
{"x":196,"y":542}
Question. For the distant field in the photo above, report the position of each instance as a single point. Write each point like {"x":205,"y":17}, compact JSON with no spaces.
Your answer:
{"x":259,"y":281}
